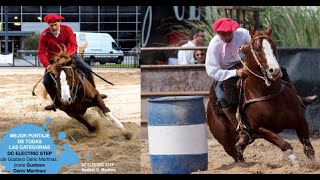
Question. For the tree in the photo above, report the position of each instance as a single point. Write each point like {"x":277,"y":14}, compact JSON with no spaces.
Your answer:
{"x":31,"y":41}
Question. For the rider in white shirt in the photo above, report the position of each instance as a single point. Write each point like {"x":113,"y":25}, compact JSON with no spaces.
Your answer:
{"x":222,"y":60}
{"x":222,"y":56}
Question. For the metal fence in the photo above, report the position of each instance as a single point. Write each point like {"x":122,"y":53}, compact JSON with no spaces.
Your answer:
{"x":29,"y":58}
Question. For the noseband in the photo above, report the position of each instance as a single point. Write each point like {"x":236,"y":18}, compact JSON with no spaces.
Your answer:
{"x":262,"y":69}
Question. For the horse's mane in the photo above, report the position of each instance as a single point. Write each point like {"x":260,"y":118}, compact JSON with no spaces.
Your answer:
{"x":60,"y":58}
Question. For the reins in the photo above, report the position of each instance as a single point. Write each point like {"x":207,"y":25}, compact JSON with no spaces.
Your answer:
{"x":263,"y":71}
{"x":73,"y":98}
{"x":34,"y":87}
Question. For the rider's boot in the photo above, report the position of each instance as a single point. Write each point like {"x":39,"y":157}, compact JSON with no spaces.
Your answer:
{"x":244,"y":129}
{"x":51,"y":106}
{"x":230,"y":112}
{"x":91,"y":80}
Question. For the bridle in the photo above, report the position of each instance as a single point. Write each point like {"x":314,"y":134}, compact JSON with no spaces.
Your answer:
{"x":74,"y":89}
{"x":262,"y":69}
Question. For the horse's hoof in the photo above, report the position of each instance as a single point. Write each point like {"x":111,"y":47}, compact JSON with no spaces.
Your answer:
{"x":103,"y":96}
{"x":92,"y":129}
{"x":128,"y":135}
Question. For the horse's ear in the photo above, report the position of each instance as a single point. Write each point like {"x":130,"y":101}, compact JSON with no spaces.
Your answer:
{"x":269,"y":30}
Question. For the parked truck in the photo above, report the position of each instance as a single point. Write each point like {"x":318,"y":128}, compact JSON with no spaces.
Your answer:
{"x":98,"y":48}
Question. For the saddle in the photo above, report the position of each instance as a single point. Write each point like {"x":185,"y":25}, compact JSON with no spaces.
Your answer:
{"x":231,"y":92}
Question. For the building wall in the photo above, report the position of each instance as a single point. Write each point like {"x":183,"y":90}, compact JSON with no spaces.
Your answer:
{"x":40,"y":26}
{"x":121,"y":22}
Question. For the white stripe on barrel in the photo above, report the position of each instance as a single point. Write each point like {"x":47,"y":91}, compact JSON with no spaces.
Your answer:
{"x":188,"y":139}
{"x":177,"y":135}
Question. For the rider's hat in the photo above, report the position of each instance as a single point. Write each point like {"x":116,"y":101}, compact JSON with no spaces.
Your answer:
{"x":225,"y":25}
{"x":52,"y":18}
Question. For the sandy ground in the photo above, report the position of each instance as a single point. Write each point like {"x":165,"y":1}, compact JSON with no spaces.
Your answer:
{"x":261,"y":156}
{"x":107,"y":145}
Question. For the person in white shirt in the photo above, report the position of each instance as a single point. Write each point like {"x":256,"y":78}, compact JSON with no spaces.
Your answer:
{"x":222,"y":61}
{"x":196,"y":38}
{"x":221,"y":57}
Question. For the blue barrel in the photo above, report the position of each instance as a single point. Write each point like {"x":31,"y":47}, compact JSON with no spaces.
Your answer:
{"x":177,"y":135}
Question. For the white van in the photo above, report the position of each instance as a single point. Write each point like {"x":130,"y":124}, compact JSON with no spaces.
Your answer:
{"x":98,"y":47}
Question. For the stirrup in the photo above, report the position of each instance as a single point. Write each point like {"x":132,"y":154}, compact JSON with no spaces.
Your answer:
{"x":51,"y":107}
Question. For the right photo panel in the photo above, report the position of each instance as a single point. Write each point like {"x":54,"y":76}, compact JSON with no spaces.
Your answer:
{"x":230,"y":90}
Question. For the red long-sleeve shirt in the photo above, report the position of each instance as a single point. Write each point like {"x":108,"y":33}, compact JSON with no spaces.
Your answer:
{"x":47,"y":44}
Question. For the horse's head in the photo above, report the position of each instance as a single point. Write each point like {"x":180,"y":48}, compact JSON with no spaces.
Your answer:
{"x":261,"y":54}
{"x":65,"y":77}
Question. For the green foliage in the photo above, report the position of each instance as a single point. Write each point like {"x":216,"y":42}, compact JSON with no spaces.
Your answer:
{"x":294,"y":26}
{"x":31,"y":41}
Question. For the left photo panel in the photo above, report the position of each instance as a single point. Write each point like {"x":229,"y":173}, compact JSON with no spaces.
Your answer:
{"x":70,"y":90}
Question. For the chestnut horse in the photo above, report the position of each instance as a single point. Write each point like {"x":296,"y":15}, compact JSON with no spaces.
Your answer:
{"x":269,"y":105}
{"x":75,"y":94}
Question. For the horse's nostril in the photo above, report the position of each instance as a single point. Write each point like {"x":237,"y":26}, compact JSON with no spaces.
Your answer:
{"x":271,"y":70}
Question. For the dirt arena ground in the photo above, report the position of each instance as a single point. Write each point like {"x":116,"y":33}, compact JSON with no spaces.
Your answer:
{"x":18,"y":106}
{"x":107,"y":145}
{"x":261,"y":156}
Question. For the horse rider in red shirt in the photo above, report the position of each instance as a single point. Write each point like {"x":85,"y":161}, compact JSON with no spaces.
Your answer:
{"x":59,"y":34}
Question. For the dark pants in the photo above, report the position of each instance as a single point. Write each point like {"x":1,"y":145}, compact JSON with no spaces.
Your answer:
{"x":220,"y":92}
{"x":49,"y":83}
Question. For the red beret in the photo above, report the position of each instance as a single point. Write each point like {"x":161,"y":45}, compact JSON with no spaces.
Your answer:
{"x":52,"y":18}
{"x":225,"y":25}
